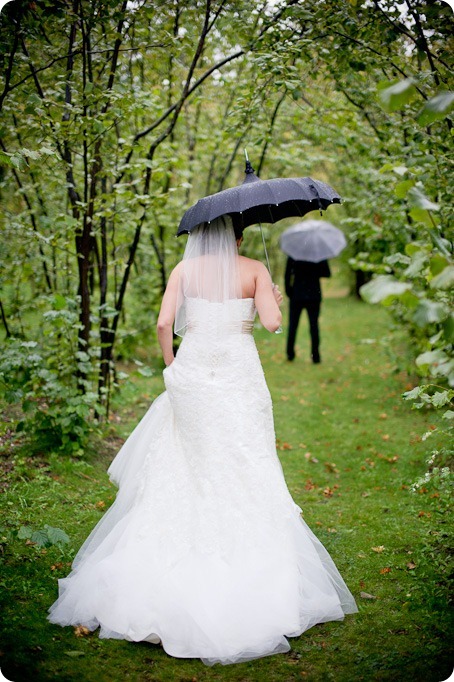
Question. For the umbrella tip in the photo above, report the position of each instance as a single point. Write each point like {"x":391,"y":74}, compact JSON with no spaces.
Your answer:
{"x":248,"y":170}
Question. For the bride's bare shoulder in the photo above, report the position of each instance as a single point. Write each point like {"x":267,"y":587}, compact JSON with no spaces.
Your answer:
{"x":251,"y":265}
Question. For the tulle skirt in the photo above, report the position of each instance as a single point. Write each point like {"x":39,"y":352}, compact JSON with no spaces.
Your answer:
{"x":204,"y":549}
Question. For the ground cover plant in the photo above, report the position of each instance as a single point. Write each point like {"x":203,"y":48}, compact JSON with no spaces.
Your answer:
{"x":350,"y":449}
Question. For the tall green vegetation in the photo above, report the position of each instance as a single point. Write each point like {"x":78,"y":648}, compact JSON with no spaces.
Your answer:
{"x":116,"y":117}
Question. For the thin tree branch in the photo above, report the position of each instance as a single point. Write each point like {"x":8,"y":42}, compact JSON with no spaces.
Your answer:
{"x":423,"y":40}
{"x":401,"y":28}
{"x":9,"y":68}
{"x":33,"y":220}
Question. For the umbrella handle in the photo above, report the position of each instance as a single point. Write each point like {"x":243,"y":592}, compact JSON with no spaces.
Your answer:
{"x":279,"y":330}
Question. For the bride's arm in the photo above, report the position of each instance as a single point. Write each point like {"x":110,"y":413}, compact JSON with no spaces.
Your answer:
{"x":267,"y":300}
{"x":167,"y":317}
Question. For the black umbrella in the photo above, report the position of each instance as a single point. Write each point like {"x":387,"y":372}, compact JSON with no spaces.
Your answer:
{"x":260,"y":201}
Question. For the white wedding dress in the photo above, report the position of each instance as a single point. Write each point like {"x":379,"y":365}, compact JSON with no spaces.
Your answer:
{"x":204,"y":548}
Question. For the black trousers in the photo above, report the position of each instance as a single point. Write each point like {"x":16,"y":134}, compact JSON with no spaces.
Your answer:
{"x":313,"y":311}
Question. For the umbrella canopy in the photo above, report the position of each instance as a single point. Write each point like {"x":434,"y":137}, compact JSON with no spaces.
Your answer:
{"x":260,"y":201}
{"x":313,"y":240}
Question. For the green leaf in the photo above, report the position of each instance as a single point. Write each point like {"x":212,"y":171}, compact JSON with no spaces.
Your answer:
{"x":5,"y":159}
{"x":413,"y":247}
{"x":440,"y":398}
{"x":444,"y":280}
{"x":403,"y":187}
{"x":420,"y":215}
{"x":438,"y":264}
{"x":399,"y":170}
{"x":429,"y":312}
{"x":416,"y":266}
{"x":30,"y":153}
{"x":418,"y":199}
{"x":24,"y":533}
{"x":409,"y":299}
{"x":395,"y":96}
{"x":27,"y":405}
{"x":413,"y":394}
{"x":448,"y":328}
{"x":397,"y":258}
{"x":383,"y":288}
{"x":146,"y":371}
{"x":431,"y":357}
{"x":436,"y":108}
{"x":59,"y":302}
{"x":40,"y":538}
{"x":56,"y":535}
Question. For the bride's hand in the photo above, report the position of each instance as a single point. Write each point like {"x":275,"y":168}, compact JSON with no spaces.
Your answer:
{"x":277,"y":294}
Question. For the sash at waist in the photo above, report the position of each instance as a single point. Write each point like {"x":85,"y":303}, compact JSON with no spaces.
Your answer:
{"x":240,"y":327}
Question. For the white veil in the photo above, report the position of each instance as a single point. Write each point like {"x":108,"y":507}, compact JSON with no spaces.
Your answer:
{"x":209,"y":270}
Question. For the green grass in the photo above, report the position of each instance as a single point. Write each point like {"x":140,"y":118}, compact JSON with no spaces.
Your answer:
{"x":350,"y":449}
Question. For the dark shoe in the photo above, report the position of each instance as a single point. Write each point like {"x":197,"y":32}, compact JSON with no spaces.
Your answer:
{"x":316,"y":359}
{"x":290,"y":357}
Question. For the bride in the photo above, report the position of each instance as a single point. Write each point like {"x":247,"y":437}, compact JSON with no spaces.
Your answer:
{"x":204,"y":549}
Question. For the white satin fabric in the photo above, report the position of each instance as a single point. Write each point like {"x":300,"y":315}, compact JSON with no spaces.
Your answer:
{"x":204,"y":548}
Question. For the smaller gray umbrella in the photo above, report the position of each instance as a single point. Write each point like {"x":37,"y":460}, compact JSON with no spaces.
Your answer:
{"x":313,"y":240}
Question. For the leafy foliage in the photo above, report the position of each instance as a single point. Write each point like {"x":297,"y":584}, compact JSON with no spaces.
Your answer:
{"x":116,"y":117}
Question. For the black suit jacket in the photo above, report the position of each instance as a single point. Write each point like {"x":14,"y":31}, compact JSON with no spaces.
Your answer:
{"x":302,"y":279}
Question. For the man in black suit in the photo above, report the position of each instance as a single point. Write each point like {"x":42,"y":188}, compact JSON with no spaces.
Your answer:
{"x":302,"y":286}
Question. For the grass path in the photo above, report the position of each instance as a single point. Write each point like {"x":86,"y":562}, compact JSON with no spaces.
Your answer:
{"x":350,"y":450}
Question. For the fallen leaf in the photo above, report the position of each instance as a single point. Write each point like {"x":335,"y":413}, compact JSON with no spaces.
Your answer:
{"x":378,"y":549}
{"x":366,"y":595}
{"x":81,"y":631}
{"x":383,"y":415}
{"x":285,"y":446}
{"x":56,"y":566}
{"x":385,"y":570}
{"x":385,"y":436}
{"x":100,"y":505}
{"x":411,"y":565}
